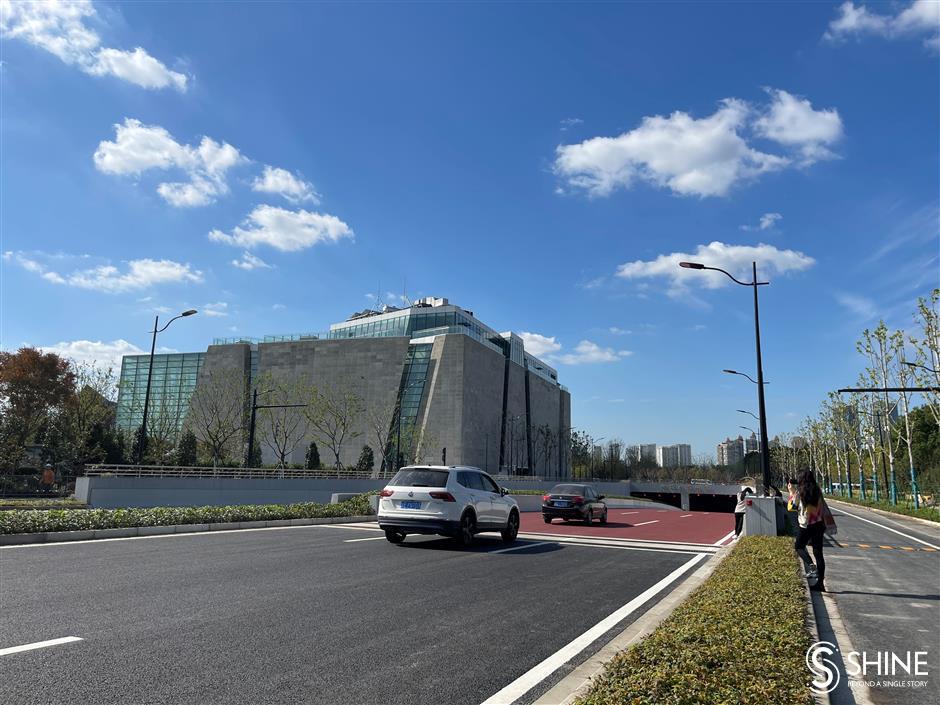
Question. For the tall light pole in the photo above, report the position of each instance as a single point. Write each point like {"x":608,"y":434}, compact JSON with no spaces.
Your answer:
{"x":762,"y":411}
{"x":593,"y":448}
{"x":251,"y":424}
{"x":142,"y":441}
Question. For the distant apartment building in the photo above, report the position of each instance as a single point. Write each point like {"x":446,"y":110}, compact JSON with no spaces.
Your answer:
{"x":644,"y":451}
{"x":730,"y":451}
{"x":674,"y":456}
{"x":751,"y":444}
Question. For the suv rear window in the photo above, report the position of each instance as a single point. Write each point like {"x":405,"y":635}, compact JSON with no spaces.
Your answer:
{"x":420,"y":477}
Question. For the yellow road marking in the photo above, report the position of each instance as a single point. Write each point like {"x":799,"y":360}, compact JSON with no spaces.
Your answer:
{"x":887,"y":547}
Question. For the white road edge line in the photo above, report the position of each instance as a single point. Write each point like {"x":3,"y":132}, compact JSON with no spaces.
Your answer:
{"x":525,"y":545}
{"x":370,"y":538}
{"x":888,"y":528}
{"x":39,"y":645}
{"x":724,"y":538}
{"x":625,"y":513}
{"x":531,"y":678}
{"x":644,"y":523}
{"x":685,"y":515}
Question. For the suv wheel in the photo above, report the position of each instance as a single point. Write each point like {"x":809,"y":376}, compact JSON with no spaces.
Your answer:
{"x":604,"y":518}
{"x":394,"y":535}
{"x":547,"y":519}
{"x":512,"y":528}
{"x":468,"y":527}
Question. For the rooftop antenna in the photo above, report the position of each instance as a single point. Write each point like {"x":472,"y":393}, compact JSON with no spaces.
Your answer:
{"x":378,"y":297}
{"x":404,"y":296}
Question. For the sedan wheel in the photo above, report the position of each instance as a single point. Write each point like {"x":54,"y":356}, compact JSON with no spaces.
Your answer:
{"x":512,"y":528}
{"x":604,"y":518}
{"x":587,"y":517}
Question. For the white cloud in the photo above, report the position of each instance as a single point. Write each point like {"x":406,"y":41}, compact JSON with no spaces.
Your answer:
{"x":700,"y":156}
{"x":291,"y":187}
{"x":249,"y":262}
{"x":614,"y":330}
{"x":919,"y":18}
{"x":570,"y":122}
{"x":587,"y":352}
{"x":100,"y":353}
{"x":278,"y":307}
{"x":284,"y":230}
{"x":595,"y":283}
{"x":793,"y":122}
{"x":59,"y":28}
{"x":139,"y":274}
{"x":734,"y":258}
{"x":138,"y":148}
{"x":215,"y":310}
{"x":767,"y":221}
{"x":539,"y":345}
{"x":858,"y":306}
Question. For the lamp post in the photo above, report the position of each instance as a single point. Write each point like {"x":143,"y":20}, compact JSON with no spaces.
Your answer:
{"x":142,"y":441}
{"x":251,"y":424}
{"x":762,"y":412}
{"x":593,"y":448}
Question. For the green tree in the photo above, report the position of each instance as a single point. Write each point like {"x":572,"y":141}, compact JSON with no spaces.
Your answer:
{"x":366,"y":459}
{"x":313,"y":457}
{"x":186,"y":451}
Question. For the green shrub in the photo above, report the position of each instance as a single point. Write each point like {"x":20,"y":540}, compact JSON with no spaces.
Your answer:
{"x":35,"y":521}
{"x":739,"y":638}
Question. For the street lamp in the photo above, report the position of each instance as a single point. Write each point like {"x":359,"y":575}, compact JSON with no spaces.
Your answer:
{"x":762,"y":411}
{"x":742,"y":411}
{"x":251,"y":424}
{"x":594,"y":443}
{"x":743,"y":374}
{"x":142,"y":441}
{"x":923,"y":367}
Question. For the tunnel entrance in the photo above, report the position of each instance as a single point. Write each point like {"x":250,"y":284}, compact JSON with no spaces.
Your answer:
{"x":672,"y":498}
{"x":712,"y":503}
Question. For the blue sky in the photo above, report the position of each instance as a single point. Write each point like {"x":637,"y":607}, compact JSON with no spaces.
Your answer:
{"x":545,"y":165}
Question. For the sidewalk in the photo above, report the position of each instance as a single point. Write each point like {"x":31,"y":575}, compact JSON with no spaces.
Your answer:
{"x":883,"y":578}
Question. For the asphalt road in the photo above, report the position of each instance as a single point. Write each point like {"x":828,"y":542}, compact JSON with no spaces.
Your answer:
{"x":888,"y":593}
{"x":297,"y":615}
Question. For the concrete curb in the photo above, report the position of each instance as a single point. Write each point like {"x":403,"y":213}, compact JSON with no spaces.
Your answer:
{"x":60,"y":536}
{"x":580,"y":679}
{"x":810,"y":613}
{"x":892,"y":515}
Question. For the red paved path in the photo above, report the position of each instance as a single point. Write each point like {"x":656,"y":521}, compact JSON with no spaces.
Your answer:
{"x":668,"y":525}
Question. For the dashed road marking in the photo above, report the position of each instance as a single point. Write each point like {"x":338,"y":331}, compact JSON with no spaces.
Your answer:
{"x":644,"y":523}
{"x":370,"y":538}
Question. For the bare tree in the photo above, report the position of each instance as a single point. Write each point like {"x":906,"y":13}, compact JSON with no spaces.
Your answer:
{"x":332,"y":414}
{"x":217,"y":412}
{"x":281,"y":428}
{"x":381,"y":419}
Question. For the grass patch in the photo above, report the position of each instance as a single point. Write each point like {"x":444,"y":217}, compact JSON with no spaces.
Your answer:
{"x":922,"y":512}
{"x":739,"y":638}
{"x":28,"y":521}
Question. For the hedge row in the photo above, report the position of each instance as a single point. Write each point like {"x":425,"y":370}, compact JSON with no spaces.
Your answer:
{"x":18,"y":521}
{"x":922,"y":512}
{"x":739,"y":638}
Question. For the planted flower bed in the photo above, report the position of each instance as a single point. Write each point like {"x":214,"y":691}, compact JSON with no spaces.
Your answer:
{"x":739,"y":638}
{"x":37,"y":521}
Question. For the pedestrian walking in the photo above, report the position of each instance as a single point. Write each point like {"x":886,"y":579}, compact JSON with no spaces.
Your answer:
{"x":814,"y":516}
{"x":740,"y":508}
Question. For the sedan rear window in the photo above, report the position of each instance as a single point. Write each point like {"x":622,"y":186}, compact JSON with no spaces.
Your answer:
{"x":420,"y":477}
{"x":568,"y":489}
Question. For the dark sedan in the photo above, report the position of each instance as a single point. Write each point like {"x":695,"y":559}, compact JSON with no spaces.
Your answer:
{"x":574,"y":502}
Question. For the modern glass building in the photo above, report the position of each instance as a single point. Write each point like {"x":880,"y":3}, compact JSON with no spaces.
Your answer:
{"x":174,"y":379}
{"x":453,"y":383}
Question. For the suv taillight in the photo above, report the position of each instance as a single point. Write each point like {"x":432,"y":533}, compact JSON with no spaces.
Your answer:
{"x":385,"y":493}
{"x":546,"y":497}
{"x":578,"y":500}
{"x":445,"y":496}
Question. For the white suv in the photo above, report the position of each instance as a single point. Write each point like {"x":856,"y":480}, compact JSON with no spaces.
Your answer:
{"x":455,"y":501}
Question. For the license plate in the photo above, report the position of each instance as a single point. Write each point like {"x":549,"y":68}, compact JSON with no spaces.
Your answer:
{"x":561,"y":504}
{"x":411,"y":505}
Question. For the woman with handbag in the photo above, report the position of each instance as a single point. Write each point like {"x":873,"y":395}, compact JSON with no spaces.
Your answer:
{"x":813,"y":526}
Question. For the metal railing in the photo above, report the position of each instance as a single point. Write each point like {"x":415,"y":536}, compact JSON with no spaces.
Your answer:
{"x":229,"y":472}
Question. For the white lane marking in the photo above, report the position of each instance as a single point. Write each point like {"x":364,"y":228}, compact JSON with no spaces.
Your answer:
{"x":531,"y":678}
{"x":677,"y":549}
{"x":644,"y":523}
{"x":544,"y":535}
{"x":724,"y":538}
{"x":189,"y":533}
{"x":685,"y":515}
{"x":39,"y":645}
{"x":370,"y":538}
{"x":888,"y":528}
{"x":625,"y":513}
{"x":525,"y":545}
{"x":604,"y":541}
